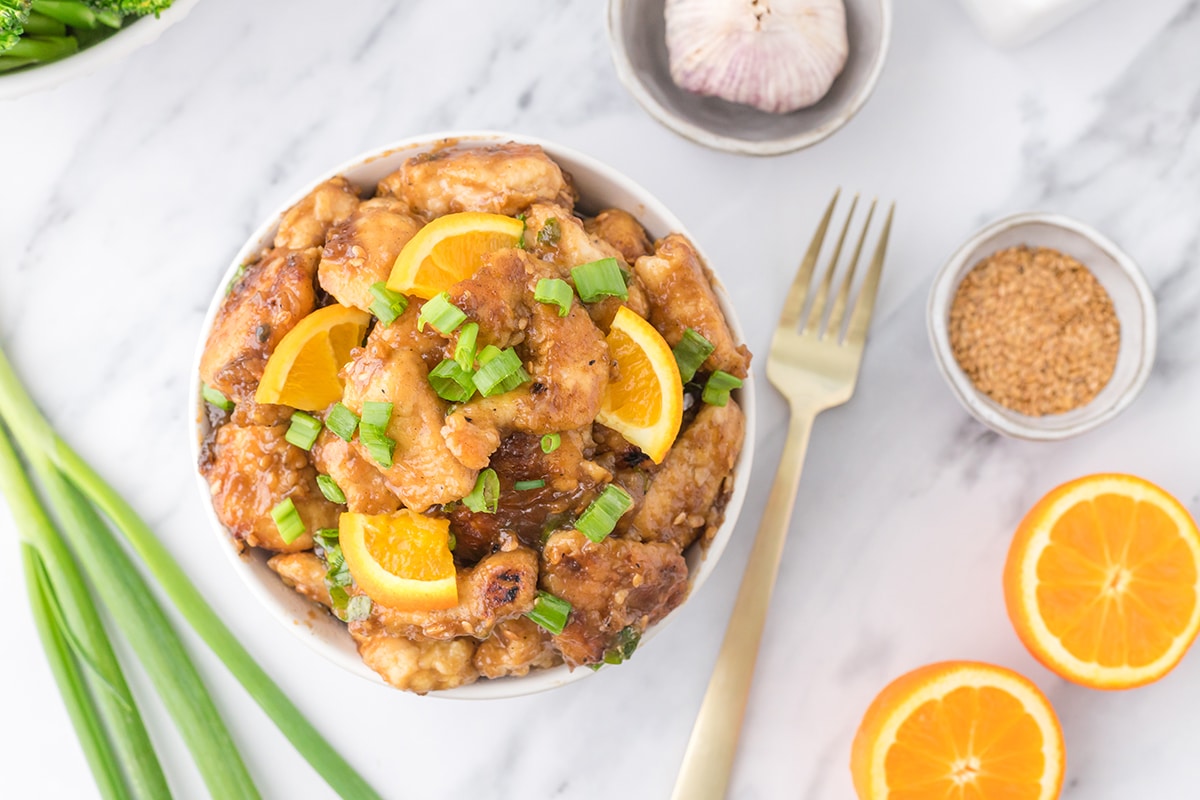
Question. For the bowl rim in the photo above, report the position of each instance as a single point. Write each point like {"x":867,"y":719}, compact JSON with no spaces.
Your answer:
{"x":1007,"y":422}
{"x":125,"y":41}
{"x":484,"y":689}
{"x":732,"y":144}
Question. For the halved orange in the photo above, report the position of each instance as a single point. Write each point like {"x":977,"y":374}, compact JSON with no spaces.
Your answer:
{"x":303,"y":370}
{"x":645,"y":403}
{"x":1103,"y":581}
{"x":449,"y":250}
{"x":400,"y":560}
{"x":959,"y":730}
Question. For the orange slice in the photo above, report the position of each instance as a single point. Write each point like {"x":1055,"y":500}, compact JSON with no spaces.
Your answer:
{"x":400,"y":560}
{"x":449,"y":250}
{"x":303,"y":370}
{"x":645,"y":403}
{"x":959,"y":730}
{"x":1103,"y":580}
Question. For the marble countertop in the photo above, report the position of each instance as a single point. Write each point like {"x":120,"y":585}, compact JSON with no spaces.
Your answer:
{"x":127,"y":192}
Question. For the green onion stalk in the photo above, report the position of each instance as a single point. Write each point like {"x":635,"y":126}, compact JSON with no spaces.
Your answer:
{"x":87,"y":511}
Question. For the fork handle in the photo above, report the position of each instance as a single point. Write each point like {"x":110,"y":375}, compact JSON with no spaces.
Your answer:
{"x":708,"y":761}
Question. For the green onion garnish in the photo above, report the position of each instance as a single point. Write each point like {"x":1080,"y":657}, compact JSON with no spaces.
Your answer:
{"x":287,"y":520}
{"x":623,"y":647}
{"x":444,"y":316}
{"x":550,"y":612}
{"x":452,"y":542}
{"x":303,"y":431}
{"x":598,"y":519}
{"x":550,"y":442}
{"x":550,"y":232}
{"x":499,"y":371}
{"x":524,"y":226}
{"x":238,"y":274}
{"x":216,"y":398}
{"x":358,"y":607}
{"x":388,"y":305}
{"x":524,"y":486}
{"x":556,"y":291}
{"x":328,"y":486}
{"x":379,"y":445}
{"x":464,"y":350}
{"x":690,"y":353}
{"x":341,"y":421}
{"x":452,"y":382}
{"x":716,"y":391}
{"x":598,"y":279}
{"x":375,"y":414}
{"x":485,"y":497}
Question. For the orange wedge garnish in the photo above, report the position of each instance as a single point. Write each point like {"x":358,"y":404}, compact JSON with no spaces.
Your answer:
{"x":959,"y":730}
{"x":449,"y":250}
{"x":303,"y":370}
{"x":400,"y":560}
{"x":1103,"y":580}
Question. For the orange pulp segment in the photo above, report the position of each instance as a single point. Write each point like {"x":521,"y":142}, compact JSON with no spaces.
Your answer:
{"x":302,"y":372}
{"x":400,"y":560}
{"x":449,"y":250}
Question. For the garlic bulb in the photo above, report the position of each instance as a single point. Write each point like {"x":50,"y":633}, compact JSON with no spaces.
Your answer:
{"x":775,"y":55}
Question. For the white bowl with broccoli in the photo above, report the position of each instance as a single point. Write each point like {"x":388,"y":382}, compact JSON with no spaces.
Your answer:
{"x":46,"y":42}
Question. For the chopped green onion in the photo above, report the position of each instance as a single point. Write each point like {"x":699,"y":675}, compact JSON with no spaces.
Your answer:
{"x":287,"y":520}
{"x":499,"y":371}
{"x":380,"y":446}
{"x":388,"y":305}
{"x":598,"y":279}
{"x":464,"y":350}
{"x":524,"y":486}
{"x":238,"y":274}
{"x":550,"y":232}
{"x":716,"y":391}
{"x":690,"y":353}
{"x":524,"y":226}
{"x":341,"y":421}
{"x":556,"y":291}
{"x":439,"y":312}
{"x":550,"y":612}
{"x":485,"y":497}
{"x":328,"y":486}
{"x":337,"y":574}
{"x":303,"y":431}
{"x":452,"y":382}
{"x":375,"y":414}
{"x":550,"y":442}
{"x":358,"y":607}
{"x":452,"y":542}
{"x":598,"y":519}
{"x":215,"y":397}
{"x":623,"y":647}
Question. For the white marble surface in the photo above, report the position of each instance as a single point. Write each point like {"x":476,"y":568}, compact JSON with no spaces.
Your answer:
{"x":126,"y":193}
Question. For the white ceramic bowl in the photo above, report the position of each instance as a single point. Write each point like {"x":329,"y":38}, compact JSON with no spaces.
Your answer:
{"x":599,"y":187}
{"x":133,"y":36}
{"x":1121,"y":278}
{"x":637,"y":36}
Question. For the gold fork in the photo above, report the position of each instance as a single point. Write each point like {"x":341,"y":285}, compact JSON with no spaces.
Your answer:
{"x":815,"y":366}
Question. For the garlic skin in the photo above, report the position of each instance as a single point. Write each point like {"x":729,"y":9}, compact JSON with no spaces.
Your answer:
{"x":774,"y":55}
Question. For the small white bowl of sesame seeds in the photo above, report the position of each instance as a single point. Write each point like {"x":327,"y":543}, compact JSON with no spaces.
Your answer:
{"x":1043,"y":327}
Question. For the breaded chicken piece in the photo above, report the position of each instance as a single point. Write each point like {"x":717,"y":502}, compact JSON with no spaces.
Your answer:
{"x":248,"y":412}
{"x":567,"y":359}
{"x":566,"y":244}
{"x":500,"y":586}
{"x":496,"y":298}
{"x":273,"y":295}
{"x":515,"y":646}
{"x":611,"y":585}
{"x":621,"y":230}
{"x":361,"y":251}
{"x":252,"y":470}
{"x":686,"y":493}
{"x":502,"y":179}
{"x":390,"y":369}
{"x":681,"y":297}
{"x":304,"y":572}
{"x":364,"y":486}
{"x":420,"y":667}
{"x":305,"y":224}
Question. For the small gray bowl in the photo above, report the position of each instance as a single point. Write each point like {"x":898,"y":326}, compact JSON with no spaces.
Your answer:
{"x":637,"y":34}
{"x":1118,"y":274}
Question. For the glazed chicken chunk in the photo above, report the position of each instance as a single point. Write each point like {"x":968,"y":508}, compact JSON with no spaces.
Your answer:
{"x":305,"y":224}
{"x":622,"y":231}
{"x":503,"y":179}
{"x":361,"y":251}
{"x":516,"y":646}
{"x":365,"y":488}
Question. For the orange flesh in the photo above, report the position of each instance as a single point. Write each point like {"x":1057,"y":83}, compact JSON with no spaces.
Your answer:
{"x":634,"y":396}
{"x":417,"y":550}
{"x":1116,"y":582}
{"x":971,"y":744}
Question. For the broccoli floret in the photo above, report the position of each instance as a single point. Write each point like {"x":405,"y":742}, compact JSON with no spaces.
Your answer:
{"x":131,"y":7}
{"x":13,"y":14}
